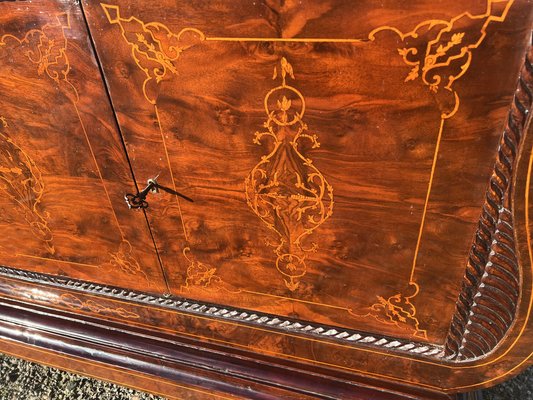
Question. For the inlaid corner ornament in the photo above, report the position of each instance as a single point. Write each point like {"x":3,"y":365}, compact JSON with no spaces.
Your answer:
{"x":400,"y":311}
{"x":203,"y":276}
{"x":285,"y":189}
{"x":47,"y":49}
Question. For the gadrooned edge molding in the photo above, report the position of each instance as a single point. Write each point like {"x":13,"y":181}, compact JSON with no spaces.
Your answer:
{"x":245,"y":317}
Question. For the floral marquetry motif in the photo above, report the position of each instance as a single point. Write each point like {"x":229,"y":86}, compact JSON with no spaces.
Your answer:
{"x":22,"y":181}
{"x":439,"y":52}
{"x":399,"y":310}
{"x":47,"y":49}
{"x":285,"y":189}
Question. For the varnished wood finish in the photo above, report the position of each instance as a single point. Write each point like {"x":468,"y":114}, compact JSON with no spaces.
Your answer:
{"x":360,"y":177}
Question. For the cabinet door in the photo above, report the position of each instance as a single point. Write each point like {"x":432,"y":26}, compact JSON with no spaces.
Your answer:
{"x":63,"y":170}
{"x":337,"y":154}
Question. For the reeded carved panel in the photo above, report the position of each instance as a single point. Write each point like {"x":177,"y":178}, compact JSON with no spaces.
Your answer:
{"x":491,"y":288}
{"x":63,"y":171}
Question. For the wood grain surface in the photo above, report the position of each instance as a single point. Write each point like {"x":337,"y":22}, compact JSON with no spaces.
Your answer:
{"x":402,"y":144}
{"x":360,"y":183}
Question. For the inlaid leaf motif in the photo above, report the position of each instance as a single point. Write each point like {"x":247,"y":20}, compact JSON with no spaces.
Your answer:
{"x":21,"y":180}
{"x":285,"y":190}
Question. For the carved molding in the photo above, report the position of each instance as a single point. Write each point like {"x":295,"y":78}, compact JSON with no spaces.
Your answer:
{"x":234,"y":314}
{"x":490,"y":290}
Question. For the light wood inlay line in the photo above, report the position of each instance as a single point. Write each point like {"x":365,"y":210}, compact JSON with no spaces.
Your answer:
{"x":56,"y":260}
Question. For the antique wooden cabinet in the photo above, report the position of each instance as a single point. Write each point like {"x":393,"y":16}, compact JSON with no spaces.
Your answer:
{"x":268,"y":199}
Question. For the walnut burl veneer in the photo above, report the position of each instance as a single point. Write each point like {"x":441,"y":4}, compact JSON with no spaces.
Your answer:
{"x":337,"y":201}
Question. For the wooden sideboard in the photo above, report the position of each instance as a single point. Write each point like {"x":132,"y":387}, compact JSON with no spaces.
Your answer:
{"x":268,"y":199}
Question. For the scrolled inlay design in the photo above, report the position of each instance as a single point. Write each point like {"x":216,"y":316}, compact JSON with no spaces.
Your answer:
{"x":154,"y":47}
{"x":246,"y":317}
